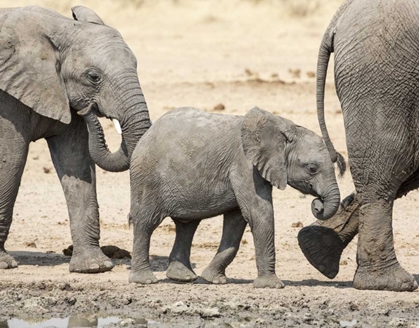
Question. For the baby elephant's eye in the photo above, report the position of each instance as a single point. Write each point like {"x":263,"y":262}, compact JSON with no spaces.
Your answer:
{"x":312,"y":168}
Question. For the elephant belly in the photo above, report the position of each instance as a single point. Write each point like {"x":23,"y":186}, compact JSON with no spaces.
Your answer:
{"x":192,"y":199}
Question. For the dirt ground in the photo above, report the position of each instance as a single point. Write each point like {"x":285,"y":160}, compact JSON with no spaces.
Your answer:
{"x":203,"y":53}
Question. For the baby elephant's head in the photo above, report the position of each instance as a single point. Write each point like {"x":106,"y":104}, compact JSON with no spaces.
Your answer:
{"x":285,"y":153}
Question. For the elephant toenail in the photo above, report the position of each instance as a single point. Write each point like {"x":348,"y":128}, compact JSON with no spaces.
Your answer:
{"x":108,"y":264}
{"x":148,"y":281}
{"x":3,"y":265}
{"x":14,"y":264}
{"x":94,"y":266}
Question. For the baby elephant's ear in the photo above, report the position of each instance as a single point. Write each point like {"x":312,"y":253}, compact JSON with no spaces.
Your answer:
{"x":84,"y":14}
{"x":264,"y":138}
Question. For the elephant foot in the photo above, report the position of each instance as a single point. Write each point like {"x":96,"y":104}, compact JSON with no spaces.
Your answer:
{"x":323,"y":242}
{"x":90,"y":261}
{"x":179,"y":272}
{"x":393,"y":278}
{"x":7,"y":261}
{"x":213,"y":276}
{"x":145,"y":277}
{"x":322,"y":247}
{"x":268,"y":281}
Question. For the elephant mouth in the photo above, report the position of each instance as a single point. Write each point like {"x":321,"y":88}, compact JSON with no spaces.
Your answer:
{"x":305,"y":187}
{"x":94,"y":108}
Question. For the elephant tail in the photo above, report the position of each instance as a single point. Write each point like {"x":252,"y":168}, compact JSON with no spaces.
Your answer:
{"x":325,"y":50}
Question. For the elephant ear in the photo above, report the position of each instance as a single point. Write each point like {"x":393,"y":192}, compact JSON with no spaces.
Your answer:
{"x":84,"y":14}
{"x":264,"y":137}
{"x":30,"y":66}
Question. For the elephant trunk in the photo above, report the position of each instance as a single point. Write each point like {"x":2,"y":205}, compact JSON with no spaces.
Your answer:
{"x":134,"y":124}
{"x":325,"y":207}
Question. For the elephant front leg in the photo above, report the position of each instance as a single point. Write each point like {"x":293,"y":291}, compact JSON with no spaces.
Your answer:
{"x":260,"y":217}
{"x":11,"y":169}
{"x":233,"y":230}
{"x":179,"y":268}
{"x":76,"y":170}
{"x":377,"y":264}
{"x":323,"y":242}
{"x":14,"y":140}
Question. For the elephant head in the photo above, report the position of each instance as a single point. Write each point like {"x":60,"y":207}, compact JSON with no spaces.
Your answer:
{"x":52,"y":64}
{"x":285,"y":153}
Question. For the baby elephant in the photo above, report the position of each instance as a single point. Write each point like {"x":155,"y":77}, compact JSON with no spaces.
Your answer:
{"x":191,"y":165}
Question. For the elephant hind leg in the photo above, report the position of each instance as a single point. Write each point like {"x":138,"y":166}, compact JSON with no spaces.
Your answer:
{"x":233,"y":230}
{"x":323,"y":242}
{"x":377,"y":264}
{"x":179,"y":268}
{"x":145,"y":221}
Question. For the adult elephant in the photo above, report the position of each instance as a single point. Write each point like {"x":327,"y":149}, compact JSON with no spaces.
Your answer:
{"x":51,"y":67}
{"x":376,"y":74}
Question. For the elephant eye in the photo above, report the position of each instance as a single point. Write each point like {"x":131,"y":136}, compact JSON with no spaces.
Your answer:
{"x":94,"y":77}
{"x":312,"y":168}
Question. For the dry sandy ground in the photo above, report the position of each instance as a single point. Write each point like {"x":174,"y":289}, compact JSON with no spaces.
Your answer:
{"x":202,"y":53}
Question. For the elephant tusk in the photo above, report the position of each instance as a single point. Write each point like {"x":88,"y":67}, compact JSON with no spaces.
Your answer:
{"x":117,"y":126}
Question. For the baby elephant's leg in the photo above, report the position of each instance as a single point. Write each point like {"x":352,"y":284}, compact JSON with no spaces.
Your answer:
{"x":233,"y":229}
{"x":179,"y":268}
{"x":144,"y":225}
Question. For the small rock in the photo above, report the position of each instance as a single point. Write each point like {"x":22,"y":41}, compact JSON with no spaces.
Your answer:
{"x":260,"y":321}
{"x":244,"y":242}
{"x":30,"y":244}
{"x":127,"y":300}
{"x":353,"y":306}
{"x":176,"y":308}
{"x":209,"y":313}
{"x":308,"y":317}
{"x":297,"y":224}
{"x":398,"y":322}
{"x":70,"y":300}
{"x":343,"y":262}
{"x":68,"y":251}
{"x":64,"y":286}
{"x":127,"y":322}
{"x":47,"y":170}
{"x":219,"y":107}
{"x":310,"y":74}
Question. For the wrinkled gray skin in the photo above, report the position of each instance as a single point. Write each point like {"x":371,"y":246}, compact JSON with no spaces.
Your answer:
{"x":193,"y":165}
{"x":50,"y":68}
{"x":376,"y":56}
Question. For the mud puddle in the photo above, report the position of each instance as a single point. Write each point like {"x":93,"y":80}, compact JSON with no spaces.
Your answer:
{"x":97,"y":321}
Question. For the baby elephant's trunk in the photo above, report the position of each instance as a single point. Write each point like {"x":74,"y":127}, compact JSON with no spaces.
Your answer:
{"x":324,"y":208}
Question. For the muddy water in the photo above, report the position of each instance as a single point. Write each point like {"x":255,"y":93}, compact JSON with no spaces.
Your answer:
{"x":74,"y":322}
